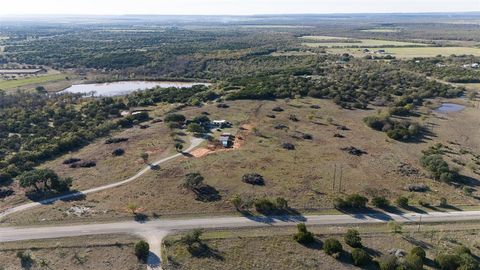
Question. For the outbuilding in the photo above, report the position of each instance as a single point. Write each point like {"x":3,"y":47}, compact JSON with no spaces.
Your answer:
{"x":226,"y":139}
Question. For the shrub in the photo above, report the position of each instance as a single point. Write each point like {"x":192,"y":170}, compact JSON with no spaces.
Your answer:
{"x":402,"y":201}
{"x":118,"y":152}
{"x":193,"y":180}
{"x":288,"y":146}
{"x":115,"y":140}
{"x":142,"y":249}
{"x":360,"y":257}
{"x":174,"y":117}
{"x":5,"y":179}
{"x":380,"y":202}
{"x":448,"y":261}
{"x":264,"y":205}
{"x":353,"y":239}
{"x":419,"y":252}
{"x":438,"y":167}
{"x":195,"y":128}
{"x":388,"y":262}
{"x":357,"y":201}
{"x":413,"y":262}
{"x":303,"y":236}
{"x":253,"y":179}
{"x":443,"y":202}
{"x":281,"y":203}
{"x":352,"y":201}
{"x":70,"y":161}
{"x":332,"y":246}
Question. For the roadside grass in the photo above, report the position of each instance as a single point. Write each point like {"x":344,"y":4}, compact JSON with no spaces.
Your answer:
{"x":410,"y":52}
{"x":303,"y":176}
{"x":86,"y":252}
{"x":274,"y":248}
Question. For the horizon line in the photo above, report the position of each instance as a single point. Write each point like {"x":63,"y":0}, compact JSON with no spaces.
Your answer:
{"x":238,"y":15}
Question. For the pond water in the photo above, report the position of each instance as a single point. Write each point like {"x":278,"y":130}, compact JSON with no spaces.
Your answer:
{"x":449,"y":107}
{"x":124,"y":87}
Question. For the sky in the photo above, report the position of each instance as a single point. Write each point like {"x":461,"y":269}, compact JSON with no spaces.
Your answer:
{"x":230,"y":7}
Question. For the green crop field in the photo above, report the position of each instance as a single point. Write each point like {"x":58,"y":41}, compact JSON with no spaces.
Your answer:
{"x":12,"y":84}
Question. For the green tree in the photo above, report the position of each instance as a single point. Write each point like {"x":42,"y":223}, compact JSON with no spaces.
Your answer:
{"x":413,"y":262}
{"x":195,"y":128}
{"x":177,"y":118}
{"x":237,"y":202}
{"x":380,"y":202}
{"x":142,"y":249}
{"x":178,"y":146}
{"x":419,"y":252}
{"x":144,"y":157}
{"x":303,"y":236}
{"x":388,"y":262}
{"x":360,"y":257}
{"x":402,"y":201}
{"x":193,"y":180}
{"x":353,"y":239}
{"x":332,"y":246}
{"x":281,"y":203}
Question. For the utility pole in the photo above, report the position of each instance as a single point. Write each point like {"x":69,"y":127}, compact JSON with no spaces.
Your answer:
{"x":341,"y":175}
{"x":334,"y":174}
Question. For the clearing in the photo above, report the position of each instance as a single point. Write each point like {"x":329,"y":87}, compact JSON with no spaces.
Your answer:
{"x":410,"y":52}
{"x":86,"y":252}
{"x":330,"y":41}
{"x":303,"y":176}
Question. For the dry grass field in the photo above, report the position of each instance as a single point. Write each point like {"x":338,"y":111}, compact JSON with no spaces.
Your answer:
{"x":411,"y":52}
{"x":274,"y":248}
{"x":86,"y":252}
{"x":329,"y":41}
{"x":303,"y":176}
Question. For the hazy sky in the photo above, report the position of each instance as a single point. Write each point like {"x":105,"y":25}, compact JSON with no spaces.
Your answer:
{"x":231,"y":7}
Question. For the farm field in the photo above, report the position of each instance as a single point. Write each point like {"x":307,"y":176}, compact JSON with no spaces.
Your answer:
{"x":30,"y":83}
{"x":86,"y":252}
{"x":382,"y":30}
{"x":411,"y":52}
{"x":275,"y":248}
{"x":330,"y":41}
{"x":303,"y":176}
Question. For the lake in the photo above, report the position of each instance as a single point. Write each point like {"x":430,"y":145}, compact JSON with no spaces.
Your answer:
{"x":124,"y":87}
{"x":449,"y":107}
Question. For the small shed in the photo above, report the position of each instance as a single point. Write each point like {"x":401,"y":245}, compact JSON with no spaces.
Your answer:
{"x":226,"y":139}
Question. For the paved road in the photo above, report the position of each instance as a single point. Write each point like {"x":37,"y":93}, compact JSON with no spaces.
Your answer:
{"x":194,"y":142}
{"x":155,"y":230}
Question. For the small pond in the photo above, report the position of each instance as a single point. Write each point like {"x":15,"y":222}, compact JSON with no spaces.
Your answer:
{"x":449,"y":107}
{"x":124,"y":87}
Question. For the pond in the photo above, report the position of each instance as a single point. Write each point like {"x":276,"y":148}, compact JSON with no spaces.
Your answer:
{"x":124,"y":87}
{"x":449,"y":107}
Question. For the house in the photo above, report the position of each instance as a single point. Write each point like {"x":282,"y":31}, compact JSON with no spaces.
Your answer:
{"x":221,"y":123}
{"x":380,"y":51}
{"x":226,"y":139}
{"x":475,"y":65}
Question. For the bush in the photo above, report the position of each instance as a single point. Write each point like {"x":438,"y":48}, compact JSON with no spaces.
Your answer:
{"x":264,"y":205}
{"x":357,"y":201}
{"x":195,"y":128}
{"x":332,"y":246}
{"x":360,"y":257}
{"x":380,"y":202}
{"x":288,"y":146}
{"x":443,"y":202}
{"x":5,"y":179}
{"x":118,"y":152}
{"x":419,"y":252}
{"x":448,"y":261}
{"x":70,"y":161}
{"x":174,"y":117}
{"x":142,"y":249}
{"x":303,"y":236}
{"x":353,"y":239}
{"x":115,"y":140}
{"x":438,"y":167}
{"x":388,"y":262}
{"x":402,"y":201}
{"x":253,"y":179}
{"x":413,"y":262}
{"x":352,"y":201}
